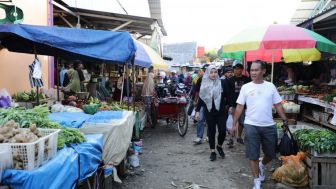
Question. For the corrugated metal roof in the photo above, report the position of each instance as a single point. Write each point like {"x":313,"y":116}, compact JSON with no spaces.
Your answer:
{"x":109,"y":20}
{"x":308,"y":10}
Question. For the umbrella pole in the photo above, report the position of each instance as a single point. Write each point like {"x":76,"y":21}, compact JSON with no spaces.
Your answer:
{"x":272,"y":73}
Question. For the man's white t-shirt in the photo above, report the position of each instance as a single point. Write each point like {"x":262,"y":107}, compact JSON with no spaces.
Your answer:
{"x":259,"y":100}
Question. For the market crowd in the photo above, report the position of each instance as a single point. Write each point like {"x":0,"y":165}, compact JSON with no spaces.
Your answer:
{"x":226,"y":101}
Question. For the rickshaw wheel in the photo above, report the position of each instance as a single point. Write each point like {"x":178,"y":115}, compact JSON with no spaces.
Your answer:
{"x":182,"y":121}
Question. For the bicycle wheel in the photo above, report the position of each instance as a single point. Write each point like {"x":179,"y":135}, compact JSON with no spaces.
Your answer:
{"x":182,"y":121}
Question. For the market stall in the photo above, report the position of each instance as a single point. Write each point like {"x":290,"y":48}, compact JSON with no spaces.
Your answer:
{"x":83,"y":44}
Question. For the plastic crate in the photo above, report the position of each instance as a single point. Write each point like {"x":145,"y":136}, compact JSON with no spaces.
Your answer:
{"x":34,"y":154}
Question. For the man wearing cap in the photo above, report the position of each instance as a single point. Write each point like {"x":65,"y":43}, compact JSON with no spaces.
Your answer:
{"x":227,"y":72}
{"x":235,"y":84}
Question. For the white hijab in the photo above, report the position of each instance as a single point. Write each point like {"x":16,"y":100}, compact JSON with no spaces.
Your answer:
{"x":149,"y":86}
{"x":211,"y":89}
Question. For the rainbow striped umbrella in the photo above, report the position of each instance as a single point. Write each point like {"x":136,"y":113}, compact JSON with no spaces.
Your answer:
{"x":277,"y":42}
{"x":146,"y":57}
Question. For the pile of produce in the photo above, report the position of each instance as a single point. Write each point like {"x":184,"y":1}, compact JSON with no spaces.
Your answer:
{"x":26,"y":96}
{"x":38,"y":116}
{"x":27,"y":117}
{"x":10,"y":132}
{"x":92,"y":100}
{"x":116,"y":106}
{"x":329,"y":98}
{"x":300,"y":89}
{"x":105,"y":107}
{"x":62,"y":108}
{"x":290,"y":107}
{"x":69,"y":136}
{"x":284,"y":90}
{"x":319,"y":140}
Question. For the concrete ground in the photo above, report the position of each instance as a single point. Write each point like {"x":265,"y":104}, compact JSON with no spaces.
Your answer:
{"x":170,"y":161}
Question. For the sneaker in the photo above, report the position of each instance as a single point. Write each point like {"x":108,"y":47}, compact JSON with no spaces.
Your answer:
{"x":230,"y":143}
{"x":257,"y":184}
{"x":261,"y":172}
{"x":206,"y":139}
{"x":213,"y":156}
{"x":240,"y":140}
{"x":221,"y":152}
{"x":198,"y":141}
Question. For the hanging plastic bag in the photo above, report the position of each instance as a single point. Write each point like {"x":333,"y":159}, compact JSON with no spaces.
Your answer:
{"x":37,"y":73}
{"x":5,"y":99}
{"x":293,"y":171}
{"x":229,"y":122}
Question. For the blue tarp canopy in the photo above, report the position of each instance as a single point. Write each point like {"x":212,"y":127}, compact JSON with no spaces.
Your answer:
{"x":83,"y":44}
{"x":69,"y":119}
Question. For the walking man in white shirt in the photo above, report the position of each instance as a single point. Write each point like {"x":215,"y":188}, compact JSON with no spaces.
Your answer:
{"x":259,"y":96}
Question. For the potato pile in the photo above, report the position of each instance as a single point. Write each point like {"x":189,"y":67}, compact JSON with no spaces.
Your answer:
{"x":10,"y":133}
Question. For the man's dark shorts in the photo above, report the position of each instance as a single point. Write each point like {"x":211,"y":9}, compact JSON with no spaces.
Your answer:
{"x":256,"y":136}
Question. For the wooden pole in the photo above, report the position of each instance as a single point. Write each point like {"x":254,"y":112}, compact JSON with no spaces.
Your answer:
{"x":122,"y":86}
{"x":127,"y":85}
{"x":58,"y":79}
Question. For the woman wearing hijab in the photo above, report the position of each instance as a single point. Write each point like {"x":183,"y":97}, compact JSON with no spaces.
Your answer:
{"x":213,"y":97}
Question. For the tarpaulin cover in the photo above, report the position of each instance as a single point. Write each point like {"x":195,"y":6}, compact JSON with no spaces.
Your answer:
{"x":85,"y":44}
{"x":69,"y":119}
{"x":105,"y":116}
{"x":63,"y":170}
{"x":117,"y":136}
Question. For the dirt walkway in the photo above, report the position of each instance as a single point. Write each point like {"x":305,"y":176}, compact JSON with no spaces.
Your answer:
{"x":169,"y":160}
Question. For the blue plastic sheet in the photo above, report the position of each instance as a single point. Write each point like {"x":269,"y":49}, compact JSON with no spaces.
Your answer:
{"x":69,"y":119}
{"x":63,"y":170}
{"x":85,"y":44}
{"x":105,"y":116}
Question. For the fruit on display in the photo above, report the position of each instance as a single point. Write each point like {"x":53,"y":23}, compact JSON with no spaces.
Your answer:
{"x":301,"y":89}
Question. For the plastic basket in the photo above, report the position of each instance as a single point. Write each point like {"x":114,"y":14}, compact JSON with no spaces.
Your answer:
{"x":34,"y":154}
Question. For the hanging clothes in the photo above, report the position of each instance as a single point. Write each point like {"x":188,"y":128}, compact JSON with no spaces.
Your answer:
{"x":35,"y":82}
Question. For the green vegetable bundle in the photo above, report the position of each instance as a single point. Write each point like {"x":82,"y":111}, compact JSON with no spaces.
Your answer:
{"x":329,"y":97}
{"x":318,"y":140}
{"x":26,"y":96}
{"x":69,"y":136}
{"x":116,"y":106}
{"x":26,"y":117}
